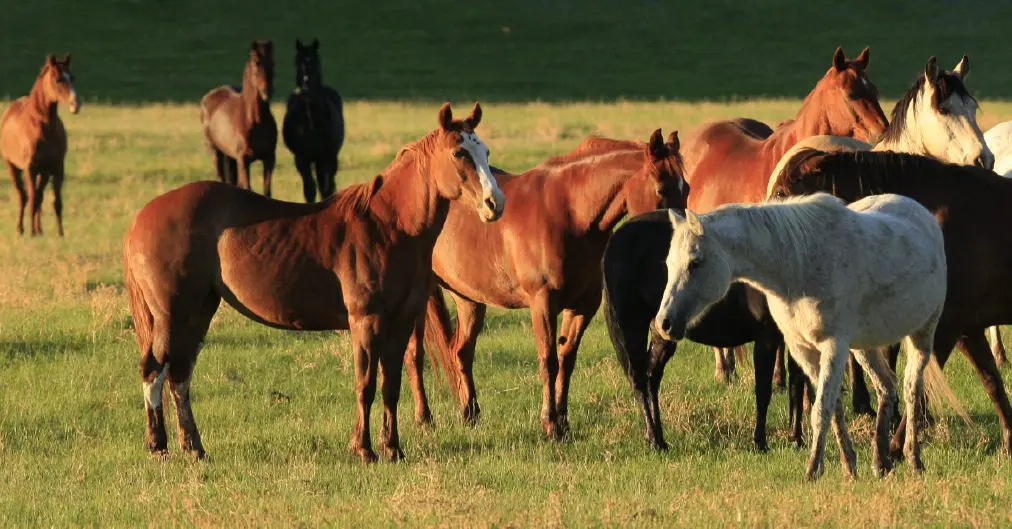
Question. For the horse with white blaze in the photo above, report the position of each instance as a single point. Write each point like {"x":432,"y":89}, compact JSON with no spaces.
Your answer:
{"x":837,"y":278}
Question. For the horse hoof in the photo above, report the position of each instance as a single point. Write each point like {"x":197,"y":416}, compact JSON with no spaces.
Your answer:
{"x":760,"y":445}
{"x":394,"y":454}
{"x":659,"y":445}
{"x":424,"y":418}
{"x":366,"y":455}
{"x":552,"y":430}
{"x":471,"y":413}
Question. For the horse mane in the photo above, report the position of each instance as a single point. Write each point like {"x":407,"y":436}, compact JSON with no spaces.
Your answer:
{"x":946,"y":85}
{"x":358,"y":197}
{"x":854,"y":175}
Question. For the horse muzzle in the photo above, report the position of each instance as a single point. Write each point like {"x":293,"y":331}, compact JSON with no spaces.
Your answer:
{"x":670,"y":328}
{"x":492,"y":206}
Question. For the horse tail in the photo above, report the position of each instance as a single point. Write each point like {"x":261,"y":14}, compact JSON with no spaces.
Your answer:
{"x":937,"y":388}
{"x":438,"y":339}
{"x":143,"y":320}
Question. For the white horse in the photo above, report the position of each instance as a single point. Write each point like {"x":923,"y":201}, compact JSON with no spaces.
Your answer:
{"x":999,"y":140}
{"x":837,"y":278}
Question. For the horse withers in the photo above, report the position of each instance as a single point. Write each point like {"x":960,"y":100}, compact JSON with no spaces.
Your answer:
{"x":820,"y":295}
{"x":359,"y":261}
{"x":313,"y":129}
{"x":33,"y":141}
{"x":239,"y":127}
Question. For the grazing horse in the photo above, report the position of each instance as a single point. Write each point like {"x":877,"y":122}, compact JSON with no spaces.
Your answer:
{"x":33,"y":140}
{"x":970,"y":204}
{"x":835,"y":278}
{"x":239,"y":128}
{"x":314,"y":124}
{"x":727,"y":163}
{"x":542,"y":254}
{"x":936,"y":117}
{"x":359,"y":261}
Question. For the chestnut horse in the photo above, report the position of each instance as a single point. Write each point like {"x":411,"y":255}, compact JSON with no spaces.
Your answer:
{"x":970,"y":204}
{"x":727,"y":163}
{"x":238,"y":125}
{"x":32,"y":139}
{"x":359,"y":261}
{"x":543,"y":254}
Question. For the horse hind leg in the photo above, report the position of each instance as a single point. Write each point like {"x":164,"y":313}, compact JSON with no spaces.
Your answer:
{"x":997,"y":347}
{"x":860,"y":398}
{"x":391,"y":361}
{"x":365,"y":331}
{"x":326,"y":173}
{"x":268,"y":162}
{"x":181,"y":372}
{"x":882,"y":379}
{"x":660,"y":352}
{"x":22,"y":195}
{"x":918,"y":356}
{"x":40,"y":182}
{"x":304,"y":166}
{"x":724,"y":361}
{"x":827,"y":365}
{"x":414,"y":358}
{"x":574,"y":324}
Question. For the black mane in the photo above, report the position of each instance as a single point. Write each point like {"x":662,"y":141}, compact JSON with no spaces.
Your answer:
{"x":946,"y":85}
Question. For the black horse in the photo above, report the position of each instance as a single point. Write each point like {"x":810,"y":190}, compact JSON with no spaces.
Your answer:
{"x":314,"y":123}
{"x":634,"y":280}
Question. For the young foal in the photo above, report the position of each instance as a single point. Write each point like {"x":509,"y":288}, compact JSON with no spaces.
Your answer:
{"x":543,"y":254}
{"x":33,"y":140}
{"x":359,"y":261}
{"x":314,"y":123}
{"x":239,"y":128}
{"x":861,"y":277}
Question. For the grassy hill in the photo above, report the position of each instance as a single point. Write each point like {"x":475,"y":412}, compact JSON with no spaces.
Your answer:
{"x":162,"y":50}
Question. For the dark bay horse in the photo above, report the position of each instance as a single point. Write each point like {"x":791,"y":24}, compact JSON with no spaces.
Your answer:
{"x":239,"y":128}
{"x":969,"y":203}
{"x":726,"y":162}
{"x":33,"y":140}
{"x":314,"y":123}
{"x":542,"y":254}
{"x":359,"y":261}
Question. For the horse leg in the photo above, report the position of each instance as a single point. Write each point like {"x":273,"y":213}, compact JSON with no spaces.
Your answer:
{"x":974,"y":346}
{"x":945,"y":341}
{"x":190,"y":337}
{"x":827,"y":365}
{"x":391,"y":359}
{"x":365,"y":331}
{"x":269,"y":162}
{"x":884,"y":382}
{"x":918,"y":355}
{"x":19,"y":187}
{"x":997,"y":347}
{"x":58,"y":199}
{"x":860,"y":399}
{"x":414,"y":356}
{"x":232,"y":171}
{"x":724,"y":360}
{"x":661,"y":351}
{"x":763,"y":358}
{"x":799,"y":393}
{"x":305,"y":169}
{"x":326,"y":169}
{"x":544,"y":317}
{"x":41,"y":181}
{"x":220,"y":162}
{"x":779,"y":369}
{"x":470,"y":321}
{"x":243,"y":168}
{"x":153,"y":364}
{"x":574,"y":323}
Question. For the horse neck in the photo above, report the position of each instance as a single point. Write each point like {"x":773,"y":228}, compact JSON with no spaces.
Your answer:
{"x":596,"y":191}
{"x":811,"y":120}
{"x":409,"y":201}
{"x":250,"y":101}
{"x":756,"y":257}
{"x":909,"y":140}
{"x":40,"y":107}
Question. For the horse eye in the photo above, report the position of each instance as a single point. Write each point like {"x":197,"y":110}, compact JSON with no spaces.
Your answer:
{"x":459,"y":153}
{"x":694,"y":263}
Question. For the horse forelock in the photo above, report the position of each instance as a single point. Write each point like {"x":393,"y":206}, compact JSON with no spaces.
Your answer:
{"x":947,"y":84}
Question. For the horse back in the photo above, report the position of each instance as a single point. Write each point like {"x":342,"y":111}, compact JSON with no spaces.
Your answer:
{"x":722,"y":166}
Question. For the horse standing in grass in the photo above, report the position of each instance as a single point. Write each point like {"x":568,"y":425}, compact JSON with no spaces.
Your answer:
{"x":542,"y":254}
{"x":634,"y":280}
{"x":835,"y":278}
{"x":314,"y":124}
{"x":33,"y":141}
{"x":971,"y":205}
{"x":359,"y":261}
{"x":239,"y":128}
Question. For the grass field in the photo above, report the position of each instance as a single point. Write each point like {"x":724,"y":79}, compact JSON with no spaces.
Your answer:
{"x":276,"y":407}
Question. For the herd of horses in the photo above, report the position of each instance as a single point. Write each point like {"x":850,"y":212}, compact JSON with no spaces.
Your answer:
{"x":830,"y":238}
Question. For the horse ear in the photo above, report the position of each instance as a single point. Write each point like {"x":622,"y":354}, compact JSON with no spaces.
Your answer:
{"x":475,"y":118}
{"x":51,"y":60}
{"x":839,"y":60}
{"x":253,"y":45}
{"x":315,"y":44}
{"x":963,"y":68}
{"x":931,"y":70}
{"x":298,"y":45}
{"x":656,"y":144}
{"x":66,"y":61}
{"x":695,"y":226}
{"x":862,"y":58}
{"x":673,"y":142}
{"x":445,"y":116}
{"x":269,"y":47}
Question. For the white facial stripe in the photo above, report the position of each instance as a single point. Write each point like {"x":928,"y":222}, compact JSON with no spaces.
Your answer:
{"x":153,"y":390}
{"x":479,"y":154}
{"x":73,"y":93}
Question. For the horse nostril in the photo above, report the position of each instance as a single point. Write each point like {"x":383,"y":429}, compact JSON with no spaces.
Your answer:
{"x":490,"y":203}
{"x":665,"y":325}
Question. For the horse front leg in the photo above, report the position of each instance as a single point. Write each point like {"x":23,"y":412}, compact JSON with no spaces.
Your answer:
{"x":764,"y":352}
{"x":269,"y":162}
{"x":58,"y":199}
{"x":470,"y":321}
{"x":827,"y":365}
{"x":997,"y":347}
{"x":544,"y":317}
{"x":305,"y":169}
{"x":365,"y":331}
{"x":574,"y":324}
{"x":242,"y":166}
{"x":414,"y":358}
{"x":391,"y":352}
{"x":860,"y":398}
{"x":974,"y":345}
{"x":41,"y":180}
{"x":22,"y":196}
{"x":661,"y":351}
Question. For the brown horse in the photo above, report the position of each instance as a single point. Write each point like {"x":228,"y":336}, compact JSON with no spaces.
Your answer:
{"x":728,"y":163}
{"x":32,"y":139}
{"x":239,"y":128}
{"x":545,"y":254}
{"x":359,"y":261}
{"x":970,"y":204}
